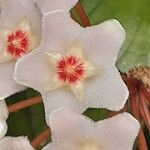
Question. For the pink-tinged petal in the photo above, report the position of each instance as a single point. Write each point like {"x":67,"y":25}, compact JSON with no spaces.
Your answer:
{"x":61,"y":98}
{"x":69,"y":125}
{"x":33,"y":70}
{"x":15,"y":143}
{"x":102,"y":49}
{"x":117,"y":133}
{"x":60,"y":32}
{"x":14,"y":10}
{"x":3,"y":110}
{"x":68,"y":128}
{"x":8,"y":85}
{"x":51,"y":5}
{"x":3,"y":129}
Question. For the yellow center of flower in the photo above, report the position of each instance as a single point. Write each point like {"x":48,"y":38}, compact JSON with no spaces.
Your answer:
{"x":89,"y":144}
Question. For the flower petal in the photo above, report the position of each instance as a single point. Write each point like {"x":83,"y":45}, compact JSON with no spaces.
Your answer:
{"x":54,"y":84}
{"x":112,"y":134}
{"x":17,"y":9}
{"x":3,"y":129}
{"x":75,"y":50}
{"x":33,"y":70}
{"x":78,"y":90}
{"x":117,"y":133}
{"x":59,"y":32}
{"x":8,"y":85}
{"x":51,"y":5}
{"x":53,"y":58}
{"x":3,"y":111}
{"x":17,"y":143}
{"x":66,"y":124}
{"x":90,"y":69}
{"x":61,"y":98}
{"x":5,"y":57}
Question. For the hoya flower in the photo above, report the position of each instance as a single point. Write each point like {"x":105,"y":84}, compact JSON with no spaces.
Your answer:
{"x":15,"y":143}
{"x":72,"y":131}
{"x":77,"y":69}
{"x":20,"y":28}
{"x":52,"y":5}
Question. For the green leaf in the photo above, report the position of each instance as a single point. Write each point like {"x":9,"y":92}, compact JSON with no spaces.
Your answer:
{"x":29,"y":121}
{"x":96,"y":114}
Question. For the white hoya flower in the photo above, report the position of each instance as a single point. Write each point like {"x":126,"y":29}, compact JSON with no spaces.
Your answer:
{"x":78,"y":69}
{"x":20,"y":28}
{"x":52,"y":5}
{"x":15,"y":143}
{"x":72,"y":131}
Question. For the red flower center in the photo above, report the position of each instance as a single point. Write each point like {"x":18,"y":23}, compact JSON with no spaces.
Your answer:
{"x":17,"y":43}
{"x":70,"y":69}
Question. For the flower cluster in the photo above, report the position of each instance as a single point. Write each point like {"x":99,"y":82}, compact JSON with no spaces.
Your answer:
{"x":72,"y":67}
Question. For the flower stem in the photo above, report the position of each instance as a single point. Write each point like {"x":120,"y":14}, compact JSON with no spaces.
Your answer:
{"x":82,"y":14}
{"x":141,"y":141}
{"x":41,"y":137}
{"x":145,"y":111}
{"x":24,"y":104}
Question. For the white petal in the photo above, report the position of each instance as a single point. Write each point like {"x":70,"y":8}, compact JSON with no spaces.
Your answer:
{"x":53,"y":84}
{"x":15,"y":143}
{"x":76,"y":49}
{"x":102,"y":49}
{"x":91,"y":69}
{"x":8,"y":85}
{"x":3,"y":111}
{"x":3,"y":129}
{"x":117,"y":133}
{"x":106,"y":90}
{"x":24,"y":24}
{"x":68,"y":125}
{"x":17,"y":9}
{"x":61,"y":98}
{"x":4,"y":32}
{"x":60,"y":32}
{"x":51,"y":5}
{"x":33,"y":70}
{"x":102,"y":42}
{"x":5,"y":57}
{"x":53,"y":58}
{"x":78,"y":90}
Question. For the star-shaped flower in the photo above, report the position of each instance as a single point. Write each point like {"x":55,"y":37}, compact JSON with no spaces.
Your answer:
{"x":71,"y":70}
{"x":52,"y":5}
{"x":72,"y":131}
{"x":98,"y":45}
{"x":20,"y":30}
